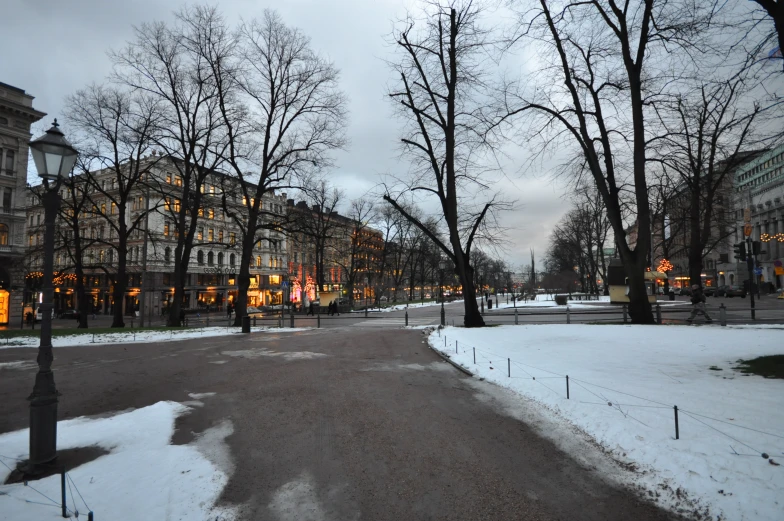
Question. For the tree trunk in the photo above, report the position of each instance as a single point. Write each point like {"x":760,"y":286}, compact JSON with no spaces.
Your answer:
{"x":81,"y":298}
{"x":118,"y":293}
{"x":243,"y":280}
{"x":472,"y":317}
{"x":640,"y":310}
{"x":179,"y":291}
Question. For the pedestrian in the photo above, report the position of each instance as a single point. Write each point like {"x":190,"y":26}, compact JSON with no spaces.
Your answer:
{"x":229,"y":310}
{"x":311,"y":308}
{"x":332,"y":308}
{"x":76,"y":315}
{"x":698,"y":304}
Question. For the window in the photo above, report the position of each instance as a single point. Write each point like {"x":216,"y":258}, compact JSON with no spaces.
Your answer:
{"x":7,"y":194}
{"x":220,"y":236}
{"x":3,"y":235}
{"x":232,"y":239}
{"x":114,"y":207}
{"x":201,"y":212}
{"x":200,"y":258}
{"x":110,"y":255}
{"x":200,"y":234}
{"x":168,"y":178}
{"x":210,"y":258}
{"x":211,"y":235}
{"x":167,"y":255}
{"x":220,"y":259}
{"x":9,"y":160}
{"x":212,"y":213}
{"x":166,"y":229}
{"x":31,"y":220}
{"x":31,"y":241}
{"x":178,"y":181}
{"x":38,"y":220}
{"x":232,"y":259}
{"x":274,"y":280}
{"x":3,"y":121}
{"x":258,"y":261}
{"x":295,"y":257}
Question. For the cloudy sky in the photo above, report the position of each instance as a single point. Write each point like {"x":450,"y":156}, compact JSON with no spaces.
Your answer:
{"x":51,"y":48}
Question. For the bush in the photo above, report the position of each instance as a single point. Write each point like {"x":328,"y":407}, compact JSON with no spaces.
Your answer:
{"x":560,"y":300}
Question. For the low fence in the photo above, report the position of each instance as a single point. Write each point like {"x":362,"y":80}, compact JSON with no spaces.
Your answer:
{"x":559,"y":384}
{"x":68,"y":507}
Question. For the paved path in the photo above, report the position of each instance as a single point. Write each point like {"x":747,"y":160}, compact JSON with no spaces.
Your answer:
{"x":342,"y":424}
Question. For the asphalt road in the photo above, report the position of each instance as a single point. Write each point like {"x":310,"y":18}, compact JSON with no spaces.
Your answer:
{"x":350,"y":423}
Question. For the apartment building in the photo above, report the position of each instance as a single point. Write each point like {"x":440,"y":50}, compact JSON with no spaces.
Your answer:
{"x":348,"y":247}
{"x":16,"y":116}
{"x":214,"y":263}
{"x":759,"y":188}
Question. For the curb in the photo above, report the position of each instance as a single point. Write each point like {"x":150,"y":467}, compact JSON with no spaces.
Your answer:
{"x":446,"y":358}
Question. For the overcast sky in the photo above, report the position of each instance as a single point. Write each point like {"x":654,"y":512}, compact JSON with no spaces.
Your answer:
{"x":51,"y":48}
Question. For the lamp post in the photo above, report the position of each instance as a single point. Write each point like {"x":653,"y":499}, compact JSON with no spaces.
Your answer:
{"x":442,"y":266}
{"x":54,"y":159}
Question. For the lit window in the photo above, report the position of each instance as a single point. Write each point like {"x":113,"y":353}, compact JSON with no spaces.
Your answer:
{"x":210,"y":235}
{"x":178,"y":181}
{"x":201,"y":212}
{"x":200,"y":234}
{"x":232,"y":239}
{"x":258,"y":262}
{"x":168,"y":178}
{"x":220,"y":236}
{"x":165,"y":229}
{"x":212,"y":213}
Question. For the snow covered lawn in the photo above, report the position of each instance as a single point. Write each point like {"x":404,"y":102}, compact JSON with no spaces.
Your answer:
{"x":145,"y":336}
{"x":144,"y":476}
{"x":623,"y":384}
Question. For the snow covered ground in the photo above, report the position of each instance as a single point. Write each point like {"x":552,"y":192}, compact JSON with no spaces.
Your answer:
{"x":413,"y":304}
{"x":623,"y":384}
{"x":129,"y":335}
{"x":144,"y":476}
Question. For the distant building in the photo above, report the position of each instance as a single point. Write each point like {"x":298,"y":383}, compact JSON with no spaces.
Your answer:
{"x":213,"y":269}
{"x":16,"y":116}
{"x":759,"y":187}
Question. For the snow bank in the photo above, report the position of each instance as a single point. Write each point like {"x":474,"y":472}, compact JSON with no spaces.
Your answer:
{"x":146,"y":336}
{"x":142,"y":477}
{"x":623,"y":384}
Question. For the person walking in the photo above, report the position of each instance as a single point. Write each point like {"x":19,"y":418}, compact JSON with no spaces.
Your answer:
{"x":311,"y":308}
{"x":698,"y":304}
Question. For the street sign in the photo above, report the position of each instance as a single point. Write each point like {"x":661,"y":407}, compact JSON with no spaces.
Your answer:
{"x":747,"y":229}
{"x":747,"y":215}
{"x":284,"y":284}
{"x":757,"y":271}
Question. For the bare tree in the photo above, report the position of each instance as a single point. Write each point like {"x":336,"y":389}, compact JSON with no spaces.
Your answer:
{"x":775,"y":10}
{"x":353,"y":251}
{"x":441,"y":93}
{"x":318,"y":221}
{"x":707,"y":129}
{"x":162,"y":63}
{"x":609,"y":61}
{"x":282,"y":114}
{"x":116,"y":130}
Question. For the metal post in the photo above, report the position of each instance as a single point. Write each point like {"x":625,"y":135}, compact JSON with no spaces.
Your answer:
{"x":44,"y":398}
{"x":443,"y":313}
{"x":567,"y":386}
{"x":516,"y":321}
{"x":254,"y":321}
{"x":482,"y":302}
{"x":722,"y":314}
{"x":474,"y":355}
{"x":90,"y":516}
{"x":318,"y":320}
{"x":291,"y":319}
{"x":658,"y":314}
{"x":62,"y":491}
{"x":406,"y":317}
{"x":568,"y":315}
{"x":677,"y":432}
{"x":509,"y":367}
{"x":208,"y":321}
{"x":143,"y":289}
{"x":750,"y":263}
{"x":455,"y":346}
{"x":366,"y":310}
{"x":625,"y":314}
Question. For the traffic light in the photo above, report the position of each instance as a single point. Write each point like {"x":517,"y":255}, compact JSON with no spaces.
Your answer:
{"x":740,"y":251}
{"x":756,"y":248}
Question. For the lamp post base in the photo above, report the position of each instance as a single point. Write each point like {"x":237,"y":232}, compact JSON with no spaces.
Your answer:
{"x":43,"y":420}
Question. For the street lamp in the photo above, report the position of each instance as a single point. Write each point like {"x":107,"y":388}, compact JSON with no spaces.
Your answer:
{"x":443,"y":264}
{"x":54,"y":159}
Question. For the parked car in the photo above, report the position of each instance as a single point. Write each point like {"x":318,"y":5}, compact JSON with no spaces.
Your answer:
{"x":69,"y":313}
{"x":710,"y":291}
{"x":731,"y":291}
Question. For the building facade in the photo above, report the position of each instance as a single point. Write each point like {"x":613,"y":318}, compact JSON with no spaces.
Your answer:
{"x":16,"y":116}
{"x":759,"y":190}
{"x":212,"y":279}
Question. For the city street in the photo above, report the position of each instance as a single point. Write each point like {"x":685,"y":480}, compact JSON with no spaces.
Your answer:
{"x":364,"y":422}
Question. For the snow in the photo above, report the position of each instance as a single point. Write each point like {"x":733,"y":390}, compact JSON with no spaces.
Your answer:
{"x":145,"y":336}
{"x":411,"y":305}
{"x":144,"y":476}
{"x":624,"y":382}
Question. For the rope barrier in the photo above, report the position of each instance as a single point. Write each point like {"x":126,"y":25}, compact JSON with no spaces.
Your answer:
{"x":79,"y":492}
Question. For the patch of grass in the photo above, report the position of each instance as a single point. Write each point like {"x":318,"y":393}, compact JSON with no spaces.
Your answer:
{"x":768,"y":366}
{"x":715,"y":368}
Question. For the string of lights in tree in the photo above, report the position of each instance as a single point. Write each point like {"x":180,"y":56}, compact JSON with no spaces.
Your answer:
{"x":664,"y":266}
